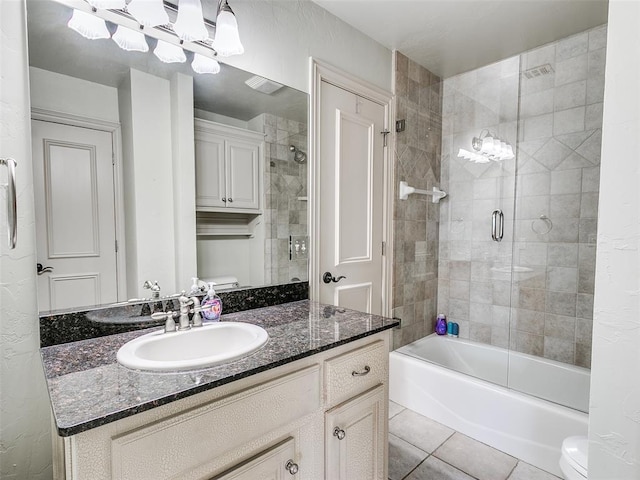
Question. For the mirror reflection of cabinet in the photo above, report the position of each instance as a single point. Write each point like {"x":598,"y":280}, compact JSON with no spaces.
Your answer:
{"x":228,"y":167}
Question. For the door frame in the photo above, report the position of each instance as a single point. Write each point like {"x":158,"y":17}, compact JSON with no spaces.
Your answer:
{"x":114,"y":129}
{"x":321,"y":71}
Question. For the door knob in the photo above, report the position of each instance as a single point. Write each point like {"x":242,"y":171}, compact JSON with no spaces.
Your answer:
{"x":40,"y":269}
{"x":328,"y":278}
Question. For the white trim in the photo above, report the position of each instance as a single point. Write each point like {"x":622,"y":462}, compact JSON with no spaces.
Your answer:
{"x":319,"y":72}
{"x":118,"y":194}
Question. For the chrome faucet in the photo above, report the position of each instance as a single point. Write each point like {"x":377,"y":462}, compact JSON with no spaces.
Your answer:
{"x":170,"y":324}
{"x":154,"y":287}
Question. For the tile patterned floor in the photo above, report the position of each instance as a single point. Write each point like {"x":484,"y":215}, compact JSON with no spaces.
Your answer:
{"x":421,"y":449}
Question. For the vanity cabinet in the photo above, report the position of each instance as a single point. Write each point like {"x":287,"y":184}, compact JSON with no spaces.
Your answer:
{"x":228,"y":168}
{"x":275,"y":424}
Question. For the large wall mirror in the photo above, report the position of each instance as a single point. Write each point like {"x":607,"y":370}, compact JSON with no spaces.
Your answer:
{"x":86,"y":94}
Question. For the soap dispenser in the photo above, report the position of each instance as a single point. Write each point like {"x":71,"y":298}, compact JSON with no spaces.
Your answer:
{"x":211,"y":305}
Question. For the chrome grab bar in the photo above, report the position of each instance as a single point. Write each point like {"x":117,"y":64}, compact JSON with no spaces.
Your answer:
{"x":12,"y":207}
{"x":497,"y":225}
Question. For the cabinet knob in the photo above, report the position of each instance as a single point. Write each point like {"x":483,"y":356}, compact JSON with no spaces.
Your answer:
{"x":224,"y":200}
{"x":338,"y":432}
{"x":230,"y":200}
{"x":291,"y":467}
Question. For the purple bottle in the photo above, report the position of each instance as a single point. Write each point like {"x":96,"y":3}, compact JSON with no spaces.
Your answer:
{"x":441,"y":324}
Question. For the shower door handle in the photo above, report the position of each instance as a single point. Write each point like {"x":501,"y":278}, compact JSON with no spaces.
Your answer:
{"x":497,"y":225}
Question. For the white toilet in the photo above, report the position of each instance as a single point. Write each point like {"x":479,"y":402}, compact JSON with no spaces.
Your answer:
{"x":573,"y":461}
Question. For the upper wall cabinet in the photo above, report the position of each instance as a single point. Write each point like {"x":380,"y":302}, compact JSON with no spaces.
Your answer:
{"x":228,"y":168}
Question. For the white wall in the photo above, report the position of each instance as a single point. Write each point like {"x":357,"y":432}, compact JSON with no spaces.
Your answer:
{"x":145,"y":107}
{"x":25,"y":442}
{"x":62,"y":93}
{"x":614,"y":421}
{"x":279,"y":36}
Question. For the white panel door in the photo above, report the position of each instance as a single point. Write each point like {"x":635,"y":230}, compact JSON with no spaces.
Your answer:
{"x":351,"y":211}
{"x":243,"y":181}
{"x":75,"y":215}
{"x":210,"y":170}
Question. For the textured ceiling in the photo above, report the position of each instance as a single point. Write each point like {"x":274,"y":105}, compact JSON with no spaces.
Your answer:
{"x":454,"y":36}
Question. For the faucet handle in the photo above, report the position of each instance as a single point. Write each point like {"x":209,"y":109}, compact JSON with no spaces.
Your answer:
{"x":170,"y":324}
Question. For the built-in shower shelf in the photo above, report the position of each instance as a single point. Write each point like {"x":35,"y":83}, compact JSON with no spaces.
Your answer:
{"x":216,"y":224}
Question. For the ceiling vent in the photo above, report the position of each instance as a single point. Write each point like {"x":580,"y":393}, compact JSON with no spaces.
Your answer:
{"x":263,"y":85}
{"x":538,"y":71}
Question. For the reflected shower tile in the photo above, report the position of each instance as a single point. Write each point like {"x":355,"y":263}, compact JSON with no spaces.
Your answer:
{"x":528,"y":321}
{"x":532,"y":299}
{"x":598,"y":38}
{"x":552,"y":153}
{"x":589,"y":205}
{"x":561,"y":303}
{"x":586,"y":280}
{"x":540,"y":126}
{"x":584,"y":331}
{"x":572,"y":46}
{"x":534,"y":184}
{"x":559,"y":349}
{"x":571,"y":95}
{"x":583,"y":355}
{"x":560,"y":326}
{"x":584,"y":306}
{"x":571,"y":70}
{"x":595,"y":89}
{"x":485,"y":188}
{"x":565,"y":205}
{"x":593,"y":116}
{"x":529,"y":343}
{"x":562,"y":255}
{"x":564,"y":230}
{"x":479,"y":332}
{"x":562,"y":279}
{"x":536,"y":103}
{"x":530,"y":253}
{"x":480,"y":292}
{"x":588,"y":230}
{"x":568,"y":121}
{"x":531,"y":207}
{"x":596,"y":62}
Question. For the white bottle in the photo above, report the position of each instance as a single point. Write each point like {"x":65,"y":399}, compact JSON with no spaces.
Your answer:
{"x":211,"y":305}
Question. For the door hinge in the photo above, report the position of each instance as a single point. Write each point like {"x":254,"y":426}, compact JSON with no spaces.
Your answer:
{"x":384,"y":248}
{"x":384,"y":137}
{"x":116,"y":246}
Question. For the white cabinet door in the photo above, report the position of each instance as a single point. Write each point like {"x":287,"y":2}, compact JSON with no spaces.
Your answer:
{"x":243,"y":174}
{"x":355,"y":438}
{"x":210,"y":170}
{"x":277,"y":463}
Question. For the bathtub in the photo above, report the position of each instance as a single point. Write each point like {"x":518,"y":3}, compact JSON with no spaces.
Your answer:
{"x":529,"y":425}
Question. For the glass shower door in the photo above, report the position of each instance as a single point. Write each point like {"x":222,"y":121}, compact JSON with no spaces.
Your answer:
{"x":480,"y":112}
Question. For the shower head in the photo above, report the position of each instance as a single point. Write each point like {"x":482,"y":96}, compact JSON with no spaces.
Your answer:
{"x":298,"y":155}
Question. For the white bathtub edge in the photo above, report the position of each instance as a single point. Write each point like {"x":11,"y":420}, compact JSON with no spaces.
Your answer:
{"x":525,"y":427}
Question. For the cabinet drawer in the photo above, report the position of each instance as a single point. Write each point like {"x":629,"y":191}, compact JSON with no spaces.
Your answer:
{"x":197,"y":437}
{"x":355,"y":372}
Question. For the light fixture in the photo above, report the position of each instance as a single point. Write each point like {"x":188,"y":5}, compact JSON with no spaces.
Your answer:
{"x":189,"y":25}
{"x":148,"y":13}
{"x":169,"y":53}
{"x":202,"y":64}
{"x":227,"y":40}
{"x":107,"y":4}
{"x":87,"y":25}
{"x":130,"y":40}
{"x":487,"y":147}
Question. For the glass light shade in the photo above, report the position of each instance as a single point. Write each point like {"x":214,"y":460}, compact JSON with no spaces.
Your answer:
{"x":202,"y":64}
{"x":130,"y":40}
{"x":148,"y":13}
{"x":487,"y":145}
{"x":189,"y":25}
{"x":227,"y":40}
{"x":169,"y":53}
{"x":107,"y":4}
{"x":87,"y":25}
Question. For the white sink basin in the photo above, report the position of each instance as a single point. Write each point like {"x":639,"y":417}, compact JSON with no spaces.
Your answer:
{"x":199,"y":347}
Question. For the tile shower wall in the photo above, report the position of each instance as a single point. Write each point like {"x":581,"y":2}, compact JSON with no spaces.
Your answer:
{"x":417,"y":161}
{"x":285,"y":201}
{"x":553,"y":254}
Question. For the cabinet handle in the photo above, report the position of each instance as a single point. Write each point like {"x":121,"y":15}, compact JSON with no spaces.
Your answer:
{"x":291,"y":467}
{"x":230,"y":200}
{"x":364,"y":372}
{"x":338,"y":432}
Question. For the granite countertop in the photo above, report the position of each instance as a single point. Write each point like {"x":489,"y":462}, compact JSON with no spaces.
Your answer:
{"x":88,"y":388}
